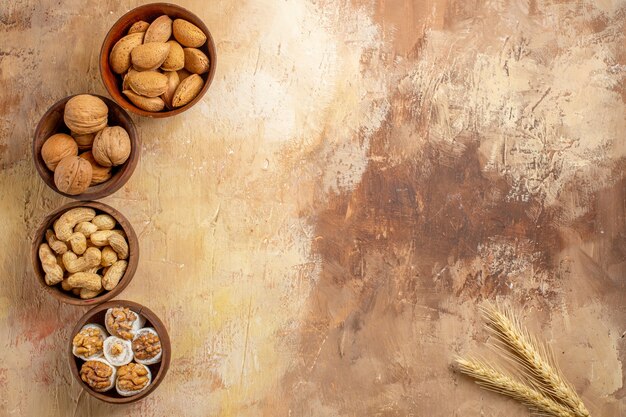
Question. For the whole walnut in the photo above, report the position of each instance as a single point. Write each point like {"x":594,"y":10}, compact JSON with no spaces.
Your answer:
{"x":73,"y":175}
{"x":85,"y":114}
{"x":85,"y":141}
{"x":111,"y":146}
{"x":57,"y":147}
{"x":100,"y":174}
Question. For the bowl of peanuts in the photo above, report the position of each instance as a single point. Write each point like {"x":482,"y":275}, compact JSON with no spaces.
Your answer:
{"x":85,"y":253}
{"x":119,"y":351}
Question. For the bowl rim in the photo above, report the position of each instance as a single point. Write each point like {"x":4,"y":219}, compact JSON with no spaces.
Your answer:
{"x":128,"y":167}
{"x":133,"y":256}
{"x":165,"y":346}
{"x":114,"y":89}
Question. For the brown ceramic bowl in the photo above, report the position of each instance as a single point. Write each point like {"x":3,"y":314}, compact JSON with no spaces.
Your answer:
{"x":147,"y":13}
{"x":52,"y":122}
{"x":68,"y":297}
{"x":158,"y":370}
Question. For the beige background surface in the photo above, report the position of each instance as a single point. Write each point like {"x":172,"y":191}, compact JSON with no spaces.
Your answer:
{"x":317,"y":232}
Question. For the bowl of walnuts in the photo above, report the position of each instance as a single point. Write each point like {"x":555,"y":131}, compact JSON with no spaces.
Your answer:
{"x":158,"y":60}
{"x":86,"y":147}
{"x":85,"y":253}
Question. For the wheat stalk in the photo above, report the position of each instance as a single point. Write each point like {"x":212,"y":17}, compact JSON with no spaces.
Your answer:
{"x":495,"y":380}
{"x":527,"y":352}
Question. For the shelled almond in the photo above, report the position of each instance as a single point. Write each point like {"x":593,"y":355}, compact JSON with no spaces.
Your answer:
{"x":150,"y":58}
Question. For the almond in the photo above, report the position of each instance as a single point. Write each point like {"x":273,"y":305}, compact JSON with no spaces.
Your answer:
{"x":120,"y":54}
{"x":149,"y":104}
{"x":187,"y":90}
{"x":196,"y":61}
{"x":137,"y":27}
{"x":147,"y":83}
{"x":172,"y":84}
{"x":175,"y":59}
{"x":183,"y":73}
{"x":149,"y":56}
{"x":160,"y":30}
{"x":85,"y":113}
{"x":188,"y":34}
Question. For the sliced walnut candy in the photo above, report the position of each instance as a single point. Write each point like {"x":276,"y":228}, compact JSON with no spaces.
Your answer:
{"x":146,"y":346}
{"x":132,"y":377}
{"x":96,"y":374}
{"x":120,"y":322}
{"x":88,"y":342}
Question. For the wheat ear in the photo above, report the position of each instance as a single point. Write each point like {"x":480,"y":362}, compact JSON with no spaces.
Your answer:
{"x":527,"y":352}
{"x":495,"y":380}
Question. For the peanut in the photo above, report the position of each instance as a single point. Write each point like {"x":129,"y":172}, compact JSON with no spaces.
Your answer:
{"x":64,"y":226}
{"x":119,"y":245}
{"x":90,"y":259}
{"x":86,"y":280}
{"x":78,"y":242}
{"x":86,"y":228}
{"x":54,"y":273}
{"x":85,"y":293}
{"x":114,"y":274}
{"x":101,"y":237}
{"x":65,"y":285}
{"x":55,"y":244}
{"x":109,"y":256}
{"x":104,"y":222}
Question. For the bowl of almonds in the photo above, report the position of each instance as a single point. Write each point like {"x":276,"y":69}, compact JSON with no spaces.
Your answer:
{"x":158,"y":60}
{"x":86,"y":147}
{"x":119,"y":351}
{"x":85,"y":253}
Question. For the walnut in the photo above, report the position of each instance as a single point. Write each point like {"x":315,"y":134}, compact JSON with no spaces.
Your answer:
{"x":73,"y":175}
{"x":97,"y":374}
{"x":57,"y":147}
{"x":146,"y":346}
{"x":120,"y":322}
{"x":88,"y":342}
{"x":111,"y":146}
{"x":132,"y":377}
{"x":100,"y":174}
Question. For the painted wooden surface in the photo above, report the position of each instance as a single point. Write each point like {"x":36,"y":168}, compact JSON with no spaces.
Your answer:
{"x":317,"y":232}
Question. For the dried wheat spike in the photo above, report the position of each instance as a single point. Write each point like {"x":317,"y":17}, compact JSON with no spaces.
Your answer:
{"x":495,"y":380}
{"x":532,"y":358}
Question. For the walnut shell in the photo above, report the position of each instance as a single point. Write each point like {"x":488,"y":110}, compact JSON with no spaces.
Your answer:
{"x":196,"y":61}
{"x":57,"y":147}
{"x":85,"y":113}
{"x":73,"y":175}
{"x":111,"y":146}
{"x":100,"y":174}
